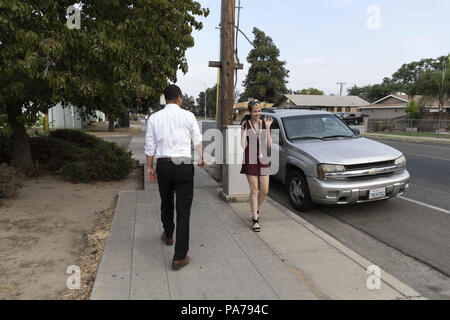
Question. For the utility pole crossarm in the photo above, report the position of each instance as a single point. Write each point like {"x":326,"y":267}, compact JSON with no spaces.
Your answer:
{"x":218,"y":64}
{"x":341,"y":85}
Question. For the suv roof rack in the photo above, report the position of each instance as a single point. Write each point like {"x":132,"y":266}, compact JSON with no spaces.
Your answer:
{"x":274,"y":109}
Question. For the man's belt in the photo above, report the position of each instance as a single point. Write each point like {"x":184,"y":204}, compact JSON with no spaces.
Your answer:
{"x":175,"y":160}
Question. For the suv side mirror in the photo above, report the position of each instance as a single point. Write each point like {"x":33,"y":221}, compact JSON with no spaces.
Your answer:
{"x":355,"y":130}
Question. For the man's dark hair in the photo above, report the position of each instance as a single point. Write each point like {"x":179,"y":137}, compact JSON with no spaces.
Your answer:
{"x":171,"y":92}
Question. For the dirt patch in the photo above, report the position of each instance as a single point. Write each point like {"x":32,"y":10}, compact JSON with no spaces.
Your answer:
{"x":53,"y":224}
{"x":90,"y":258}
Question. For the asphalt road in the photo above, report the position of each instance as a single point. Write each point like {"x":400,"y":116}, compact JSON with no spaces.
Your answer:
{"x":409,"y":240}
{"x":429,"y":166}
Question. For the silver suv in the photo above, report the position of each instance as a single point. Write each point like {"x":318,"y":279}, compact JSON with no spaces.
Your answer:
{"x":321,"y":159}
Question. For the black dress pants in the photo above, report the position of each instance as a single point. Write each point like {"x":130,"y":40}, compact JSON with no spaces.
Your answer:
{"x":178,"y":178}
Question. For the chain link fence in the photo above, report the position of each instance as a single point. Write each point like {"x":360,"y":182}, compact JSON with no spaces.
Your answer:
{"x":432,"y":126}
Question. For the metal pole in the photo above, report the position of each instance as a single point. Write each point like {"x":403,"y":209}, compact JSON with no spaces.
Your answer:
{"x":205,"y":101}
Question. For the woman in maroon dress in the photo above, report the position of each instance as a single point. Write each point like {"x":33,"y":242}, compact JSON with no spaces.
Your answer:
{"x":256,"y":140}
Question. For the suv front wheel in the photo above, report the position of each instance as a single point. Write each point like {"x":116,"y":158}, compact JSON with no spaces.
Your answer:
{"x":298,"y":191}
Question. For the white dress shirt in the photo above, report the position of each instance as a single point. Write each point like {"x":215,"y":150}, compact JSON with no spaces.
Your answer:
{"x":170,"y":132}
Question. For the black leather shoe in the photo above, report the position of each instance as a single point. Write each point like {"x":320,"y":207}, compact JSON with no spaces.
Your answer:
{"x":169,"y":242}
{"x":178,"y":264}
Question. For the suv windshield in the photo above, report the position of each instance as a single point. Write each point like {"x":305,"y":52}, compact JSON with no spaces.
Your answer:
{"x":315,"y":127}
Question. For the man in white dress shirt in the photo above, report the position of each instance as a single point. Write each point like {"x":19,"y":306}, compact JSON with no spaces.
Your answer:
{"x":170,"y":132}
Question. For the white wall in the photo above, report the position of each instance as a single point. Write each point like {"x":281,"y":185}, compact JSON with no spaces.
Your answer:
{"x":64,"y":118}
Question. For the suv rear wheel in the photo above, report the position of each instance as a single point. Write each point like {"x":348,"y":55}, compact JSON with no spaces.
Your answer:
{"x":298,"y":191}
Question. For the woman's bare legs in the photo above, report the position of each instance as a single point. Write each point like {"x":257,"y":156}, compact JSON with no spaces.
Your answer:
{"x":264,"y":186}
{"x":253,"y":183}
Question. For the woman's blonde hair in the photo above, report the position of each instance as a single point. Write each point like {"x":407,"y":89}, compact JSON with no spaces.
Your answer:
{"x":252,"y":104}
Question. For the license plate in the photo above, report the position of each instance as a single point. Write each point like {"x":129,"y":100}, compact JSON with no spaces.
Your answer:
{"x":377,"y":193}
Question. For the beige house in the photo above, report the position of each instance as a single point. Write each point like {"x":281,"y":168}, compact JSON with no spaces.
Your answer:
{"x":325,"y":103}
{"x":389,"y":107}
{"x":240,"y":109}
{"x":393,"y":105}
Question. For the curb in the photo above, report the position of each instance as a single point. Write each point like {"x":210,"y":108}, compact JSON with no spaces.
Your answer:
{"x":400,"y":138}
{"x":236,"y":198}
{"x":391,"y":281}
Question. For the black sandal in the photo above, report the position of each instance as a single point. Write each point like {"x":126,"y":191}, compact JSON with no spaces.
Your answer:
{"x":256,"y":228}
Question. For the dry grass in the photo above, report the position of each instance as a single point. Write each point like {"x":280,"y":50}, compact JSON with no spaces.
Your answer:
{"x":90,"y":258}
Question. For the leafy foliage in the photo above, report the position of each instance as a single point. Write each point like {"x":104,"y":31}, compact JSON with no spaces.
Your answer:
{"x":106,"y":161}
{"x":372,"y":93}
{"x":211,"y":94}
{"x":10,"y":181}
{"x":77,"y":156}
{"x":77,"y":137}
{"x":409,"y":73}
{"x":5,"y":149}
{"x":433,"y":85}
{"x":412,"y":109}
{"x":188,"y":103}
{"x":133,"y":49}
{"x":403,"y":80}
{"x":309,"y":91}
{"x":121,"y":58}
{"x":52,"y":153}
{"x":266,"y":78}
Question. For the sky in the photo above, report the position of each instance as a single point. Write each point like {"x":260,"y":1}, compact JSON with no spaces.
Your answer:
{"x":358,"y":42}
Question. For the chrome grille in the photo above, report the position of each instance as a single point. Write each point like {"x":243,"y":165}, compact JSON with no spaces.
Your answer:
{"x":370,"y":165}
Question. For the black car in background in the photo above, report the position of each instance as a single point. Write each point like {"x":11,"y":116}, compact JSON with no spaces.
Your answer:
{"x":349,"y":118}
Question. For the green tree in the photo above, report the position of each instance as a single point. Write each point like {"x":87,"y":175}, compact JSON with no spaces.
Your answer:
{"x":401,"y":81}
{"x":412,"y":109}
{"x":188,"y":102}
{"x":211,"y":94}
{"x":372,"y":93}
{"x":433,"y":85}
{"x":33,"y":38}
{"x":121,"y":58}
{"x":409,"y":73}
{"x":266,"y":78}
{"x":120,"y":64}
{"x":310,"y":91}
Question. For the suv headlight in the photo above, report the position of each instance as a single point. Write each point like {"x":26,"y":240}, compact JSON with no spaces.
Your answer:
{"x":323,"y":168}
{"x":400,"y":161}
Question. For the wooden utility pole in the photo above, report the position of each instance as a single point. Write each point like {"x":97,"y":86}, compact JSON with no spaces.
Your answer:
{"x":341,"y":85}
{"x":227,"y":63}
{"x":227,"y":67}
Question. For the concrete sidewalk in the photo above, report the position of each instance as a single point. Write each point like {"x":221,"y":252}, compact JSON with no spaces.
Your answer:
{"x":288,"y":259}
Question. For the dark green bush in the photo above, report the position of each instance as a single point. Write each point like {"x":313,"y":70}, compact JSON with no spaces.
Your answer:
{"x":105,"y":162}
{"x":5,"y":149}
{"x":53,"y":153}
{"x":78,"y":137}
{"x":76,"y":155}
{"x":10,"y":181}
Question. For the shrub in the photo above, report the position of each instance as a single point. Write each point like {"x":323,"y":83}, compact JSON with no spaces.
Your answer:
{"x":5,"y":149}
{"x":78,"y":137}
{"x":105,"y":162}
{"x":53,"y":153}
{"x":10,"y":181}
{"x":76,"y":155}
